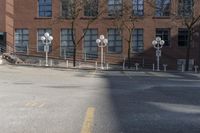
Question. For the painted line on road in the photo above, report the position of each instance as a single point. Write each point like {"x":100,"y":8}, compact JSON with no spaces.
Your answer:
{"x":34,"y":104}
{"x":42,"y":105}
{"x":31,"y":103}
{"x":88,"y":122}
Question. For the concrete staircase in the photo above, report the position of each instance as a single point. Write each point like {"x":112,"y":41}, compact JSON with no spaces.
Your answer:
{"x":10,"y":58}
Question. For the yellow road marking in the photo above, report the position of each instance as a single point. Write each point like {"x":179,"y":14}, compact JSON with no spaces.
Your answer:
{"x":31,"y":103}
{"x":88,"y":122}
{"x":34,"y":104}
{"x":42,"y":105}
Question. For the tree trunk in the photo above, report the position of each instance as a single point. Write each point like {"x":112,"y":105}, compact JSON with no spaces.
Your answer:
{"x":129,"y":49}
{"x":129,"y":55}
{"x":188,"y":51}
{"x":74,"y":56}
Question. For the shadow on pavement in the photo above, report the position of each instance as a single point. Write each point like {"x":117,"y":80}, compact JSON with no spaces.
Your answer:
{"x":152,"y":105}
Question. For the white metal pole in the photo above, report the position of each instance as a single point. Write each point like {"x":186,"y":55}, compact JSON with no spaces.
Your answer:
{"x":196,"y":68}
{"x":102,"y":57}
{"x":107,"y":66}
{"x":153,"y":67}
{"x":96,"y":65}
{"x":46,"y":55}
{"x":158,"y":61}
{"x":182,"y":67}
{"x":67,"y":63}
{"x":51,"y":62}
{"x":65,"y":53}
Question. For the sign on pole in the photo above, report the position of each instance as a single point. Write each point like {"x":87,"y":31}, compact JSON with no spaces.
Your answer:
{"x":46,"y":48}
{"x":158,"y":52}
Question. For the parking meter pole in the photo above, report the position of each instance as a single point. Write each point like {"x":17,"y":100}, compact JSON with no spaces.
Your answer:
{"x":67,"y":63}
{"x":136,"y":66}
{"x":183,"y":67}
{"x":196,"y":68}
{"x":165,"y":67}
{"x":153,"y":67}
{"x":96,"y":64}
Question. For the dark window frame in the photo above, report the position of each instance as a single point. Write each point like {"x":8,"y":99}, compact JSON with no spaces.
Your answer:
{"x":66,"y":9}
{"x":114,"y":39}
{"x":163,"y":8}
{"x":182,"y":37}
{"x":185,"y":9}
{"x":21,"y":39}
{"x":164,"y":34}
{"x":67,"y":50}
{"x":115,"y":8}
{"x":138,"y":8}
{"x":137,"y":40}
{"x":90,"y":43}
{"x":45,"y":8}
{"x":91,"y":8}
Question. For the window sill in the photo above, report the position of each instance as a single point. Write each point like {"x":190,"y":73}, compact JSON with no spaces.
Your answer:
{"x":137,"y":52}
{"x":89,"y":17}
{"x":65,"y":18}
{"x":137,"y":16}
{"x":114,"y":53}
{"x":43,"y":17}
{"x":161,"y":17}
{"x":109,"y":17}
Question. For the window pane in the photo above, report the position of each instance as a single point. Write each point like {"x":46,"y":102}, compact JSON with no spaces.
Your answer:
{"x":21,"y":40}
{"x":115,"y":41}
{"x":45,"y":8}
{"x":90,"y":46}
{"x":137,"y":37}
{"x":138,"y":7}
{"x":164,"y":34}
{"x":67,"y":45}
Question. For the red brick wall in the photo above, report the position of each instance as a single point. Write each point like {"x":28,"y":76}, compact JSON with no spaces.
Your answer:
{"x":2,"y":15}
{"x":26,"y":16}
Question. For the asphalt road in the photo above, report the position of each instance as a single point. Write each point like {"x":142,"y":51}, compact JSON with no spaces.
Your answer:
{"x":43,"y":100}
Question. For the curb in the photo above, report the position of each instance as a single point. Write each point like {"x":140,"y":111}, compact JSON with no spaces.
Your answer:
{"x":87,"y":68}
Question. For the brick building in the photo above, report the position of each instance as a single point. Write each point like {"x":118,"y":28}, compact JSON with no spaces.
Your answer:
{"x":23,"y":22}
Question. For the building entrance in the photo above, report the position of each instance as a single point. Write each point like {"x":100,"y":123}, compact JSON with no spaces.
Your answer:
{"x":2,"y":42}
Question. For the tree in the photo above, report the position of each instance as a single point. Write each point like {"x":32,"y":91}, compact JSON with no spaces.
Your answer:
{"x":185,"y":16}
{"x":190,"y":20}
{"x":126,"y":18}
{"x":72,"y":10}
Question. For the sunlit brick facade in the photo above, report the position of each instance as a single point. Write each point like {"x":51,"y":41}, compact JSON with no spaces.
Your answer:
{"x":25,"y":19}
